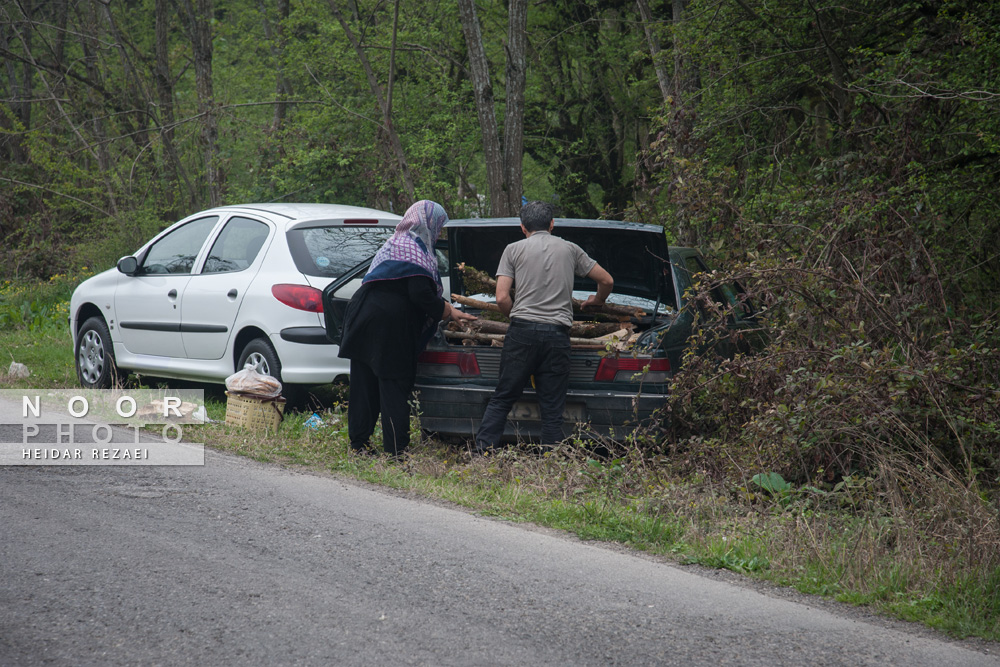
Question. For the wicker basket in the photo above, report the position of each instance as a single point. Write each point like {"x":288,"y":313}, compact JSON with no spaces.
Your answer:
{"x":254,"y":412}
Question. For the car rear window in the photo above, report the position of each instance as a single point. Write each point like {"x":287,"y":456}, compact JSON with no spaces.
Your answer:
{"x":329,"y":251}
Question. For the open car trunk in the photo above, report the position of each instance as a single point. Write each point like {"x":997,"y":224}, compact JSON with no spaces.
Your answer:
{"x":635,"y":255}
{"x":619,"y":367}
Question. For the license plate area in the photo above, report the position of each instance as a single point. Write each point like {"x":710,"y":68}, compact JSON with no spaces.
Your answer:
{"x":529,"y":411}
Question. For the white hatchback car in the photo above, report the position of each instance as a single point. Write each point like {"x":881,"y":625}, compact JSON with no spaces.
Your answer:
{"x":223,"y":287}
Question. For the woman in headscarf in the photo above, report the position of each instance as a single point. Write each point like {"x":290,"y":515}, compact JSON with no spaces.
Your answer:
{"x":388,"y":322}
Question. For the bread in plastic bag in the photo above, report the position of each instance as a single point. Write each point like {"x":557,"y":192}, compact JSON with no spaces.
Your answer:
{"x":249,"y":381}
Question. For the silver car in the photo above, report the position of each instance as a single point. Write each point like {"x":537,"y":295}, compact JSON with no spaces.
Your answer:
{"x":222,"y":288}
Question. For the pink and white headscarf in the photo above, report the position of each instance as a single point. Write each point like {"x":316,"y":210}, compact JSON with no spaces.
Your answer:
{"x":410,"y":250}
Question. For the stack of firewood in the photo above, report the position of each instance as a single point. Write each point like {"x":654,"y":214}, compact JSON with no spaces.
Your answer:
{"x":608,"y":326}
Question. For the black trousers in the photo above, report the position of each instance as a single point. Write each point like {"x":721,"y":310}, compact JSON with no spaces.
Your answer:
{"x":529,"y":349}
{"x":369,"y":396}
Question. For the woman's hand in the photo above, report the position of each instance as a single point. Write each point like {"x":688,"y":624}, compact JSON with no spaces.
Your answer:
{"x":455,"y":314}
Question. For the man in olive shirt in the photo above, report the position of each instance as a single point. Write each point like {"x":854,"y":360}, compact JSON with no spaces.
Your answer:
{"x":541,"y":269}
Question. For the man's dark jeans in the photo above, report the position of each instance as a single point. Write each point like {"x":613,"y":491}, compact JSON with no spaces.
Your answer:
{"x":529,"y":349}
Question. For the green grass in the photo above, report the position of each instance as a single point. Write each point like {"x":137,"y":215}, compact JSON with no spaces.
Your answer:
{"x":817,"y":541}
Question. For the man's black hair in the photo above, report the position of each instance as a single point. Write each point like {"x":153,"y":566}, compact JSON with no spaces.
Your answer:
{"x":536,"y":216}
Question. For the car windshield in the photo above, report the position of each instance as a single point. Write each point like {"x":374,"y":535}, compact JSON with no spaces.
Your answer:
{"x":329,"y":251}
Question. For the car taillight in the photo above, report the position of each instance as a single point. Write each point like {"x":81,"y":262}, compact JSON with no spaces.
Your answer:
{"x":300,"y":297}
{"x":448,"y":364}
{"x":623,"y":369}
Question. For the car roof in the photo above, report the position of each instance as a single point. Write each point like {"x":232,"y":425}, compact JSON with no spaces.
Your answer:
{"x":560,"y":222}
{"x":297,"y":212}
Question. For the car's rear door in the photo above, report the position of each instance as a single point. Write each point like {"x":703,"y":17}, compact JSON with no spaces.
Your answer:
{"x":212,"y":298}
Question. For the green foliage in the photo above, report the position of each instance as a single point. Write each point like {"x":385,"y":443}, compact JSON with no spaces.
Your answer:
{"x":772,"y":482}
{"x":37,"y":306}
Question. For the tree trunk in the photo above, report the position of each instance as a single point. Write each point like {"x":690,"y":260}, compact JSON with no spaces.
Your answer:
{"x":682,"y":117}
{"x":275,"y":36}
{"x":198,"y":19}
{"x":654,"y":48}
{"x":172,"y":168}
{"x":513,"y":125}
{"x":482,"y":88}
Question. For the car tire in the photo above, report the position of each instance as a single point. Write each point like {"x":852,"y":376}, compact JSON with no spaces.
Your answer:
{"x":261,"y":355}
{"x":95,"y":355}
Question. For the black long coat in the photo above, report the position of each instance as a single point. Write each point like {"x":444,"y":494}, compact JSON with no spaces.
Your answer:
{"x":388,"y":323}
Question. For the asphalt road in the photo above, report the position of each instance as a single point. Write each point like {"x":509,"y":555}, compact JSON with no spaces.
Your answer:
{"x":241,"y":563}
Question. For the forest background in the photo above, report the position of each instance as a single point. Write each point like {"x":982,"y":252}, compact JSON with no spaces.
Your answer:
{"x":841,"y":161}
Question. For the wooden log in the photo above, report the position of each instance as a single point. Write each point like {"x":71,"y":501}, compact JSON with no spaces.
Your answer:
{"x":480,"y":326}
{"x":480,"y":279}
{"x":578,"y":330}
{"x":475,"y":303}
{"x":597,"y":329}
{"x":474,"y":278}
{"x":490,"y":339}
{"x":624,"y":313}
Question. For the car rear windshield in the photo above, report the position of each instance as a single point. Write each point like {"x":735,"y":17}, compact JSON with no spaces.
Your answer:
{"x":329,"y":251}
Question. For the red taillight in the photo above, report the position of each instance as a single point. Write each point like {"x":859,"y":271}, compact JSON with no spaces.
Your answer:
{"x":622,"y":370}
{"x":300,"y":297}
{"x":445,"y":364}
{"x":360,"y":221}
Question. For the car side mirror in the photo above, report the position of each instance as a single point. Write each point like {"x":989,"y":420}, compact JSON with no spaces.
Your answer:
{"x":128,"y":265}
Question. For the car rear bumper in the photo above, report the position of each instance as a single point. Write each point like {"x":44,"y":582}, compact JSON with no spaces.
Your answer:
{"x":310,"y":360}
{"x":305,"y":335}
{"x":456,"y":411}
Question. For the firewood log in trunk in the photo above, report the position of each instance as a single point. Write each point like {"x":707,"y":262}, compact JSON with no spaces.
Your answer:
{"x":480,"y":281}
{"x":480,"y":326}
{"x":578,"y":330}
{"x":623,"y":313}
{"x":475,"y":303}
{"x":488,"y":339}
{"x":610,"y":311}
{"x":477,"y":281}
{"x":597,"y":329}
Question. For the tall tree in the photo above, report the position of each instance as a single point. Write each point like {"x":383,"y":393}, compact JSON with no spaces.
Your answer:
{"x":503,"y":167}
{"x":653,"y":40}
{"x":174,"y":171}
{"x":197,"y":18}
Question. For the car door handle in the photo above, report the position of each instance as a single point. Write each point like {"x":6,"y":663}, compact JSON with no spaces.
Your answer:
{"x":232,"y":294}
{"x":172,"y":294}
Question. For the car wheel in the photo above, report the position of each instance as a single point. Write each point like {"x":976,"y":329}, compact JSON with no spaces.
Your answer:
{"x":260,"y":354}
{"x":95,"y":355}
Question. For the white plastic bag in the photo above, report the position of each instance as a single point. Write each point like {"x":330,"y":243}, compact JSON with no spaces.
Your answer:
{"x":249,"y":381}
